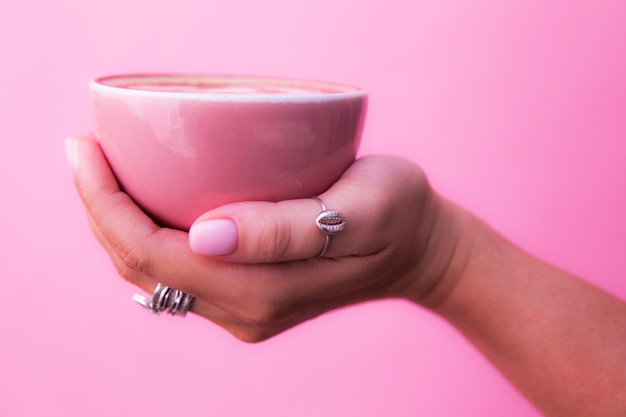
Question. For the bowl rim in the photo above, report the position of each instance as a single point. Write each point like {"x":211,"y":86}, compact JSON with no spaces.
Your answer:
{"x":320,"y":91}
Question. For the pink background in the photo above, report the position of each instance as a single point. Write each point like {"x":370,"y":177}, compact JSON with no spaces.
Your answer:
{"x":516,"y":109}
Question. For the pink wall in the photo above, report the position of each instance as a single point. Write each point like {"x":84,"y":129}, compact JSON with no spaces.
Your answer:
{"x":517,"y":109}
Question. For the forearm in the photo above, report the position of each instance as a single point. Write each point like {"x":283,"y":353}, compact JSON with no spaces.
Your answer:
{"x":559,"y":340}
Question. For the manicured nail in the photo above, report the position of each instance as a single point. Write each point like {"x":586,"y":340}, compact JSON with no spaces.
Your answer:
{"x":71,"y":152}
{"x":214,"y":237}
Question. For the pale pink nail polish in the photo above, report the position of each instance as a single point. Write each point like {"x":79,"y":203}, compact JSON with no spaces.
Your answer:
{"x":214,"y":237}
{"x":71,"y":152}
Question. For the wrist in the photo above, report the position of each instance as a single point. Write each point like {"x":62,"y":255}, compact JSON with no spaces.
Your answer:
{"x":453,"y":245}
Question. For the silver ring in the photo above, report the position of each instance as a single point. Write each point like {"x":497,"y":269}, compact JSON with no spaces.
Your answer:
{"x":330,"y":223}
{"x":166,"y":298}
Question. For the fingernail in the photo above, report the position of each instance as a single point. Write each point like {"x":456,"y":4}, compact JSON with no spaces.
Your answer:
{"x":214,"y":237}
{"x":71,"y":152}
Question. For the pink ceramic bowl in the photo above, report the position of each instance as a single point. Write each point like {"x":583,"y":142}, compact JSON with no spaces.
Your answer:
{"x":183,"y":144}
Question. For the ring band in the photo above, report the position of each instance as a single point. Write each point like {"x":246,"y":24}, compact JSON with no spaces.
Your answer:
{"x":166,"y":298}
{"x":330,"y":223}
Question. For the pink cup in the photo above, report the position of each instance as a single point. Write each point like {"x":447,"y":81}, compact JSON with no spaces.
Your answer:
{"x":180,"y":145}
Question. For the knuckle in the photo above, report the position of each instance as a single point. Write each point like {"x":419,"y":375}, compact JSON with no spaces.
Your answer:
{"x":252,"y":335}
{"x":261,"y":315}
{"x":263,"y":309}
{"x":133,"y":259}
{"x":255,"y":324}
{"x":273,"y":240}
{"x":131,"y":275}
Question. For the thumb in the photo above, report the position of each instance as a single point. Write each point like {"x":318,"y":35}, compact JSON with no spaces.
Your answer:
{"x":381,"y":199}
{"x":260,"y":232}
{"x":263,"y":232}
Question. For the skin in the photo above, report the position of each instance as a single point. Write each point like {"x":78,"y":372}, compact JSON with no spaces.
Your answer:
{"x":558,"y":339}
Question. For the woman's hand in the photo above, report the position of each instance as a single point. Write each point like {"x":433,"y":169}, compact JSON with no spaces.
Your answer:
{"x":255,"y":272}
{"x":255,"y":269}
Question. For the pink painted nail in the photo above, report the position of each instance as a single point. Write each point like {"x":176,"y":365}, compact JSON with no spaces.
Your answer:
{"x":71,"y":152}
{"x":214,"y":237}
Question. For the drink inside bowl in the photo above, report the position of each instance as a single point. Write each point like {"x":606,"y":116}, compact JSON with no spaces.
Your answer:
{"x":183,"y":144}
{"x":221,"y":85}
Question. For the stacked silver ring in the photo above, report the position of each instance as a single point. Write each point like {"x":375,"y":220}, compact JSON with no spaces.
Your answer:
{"x":166,"y":298}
